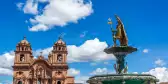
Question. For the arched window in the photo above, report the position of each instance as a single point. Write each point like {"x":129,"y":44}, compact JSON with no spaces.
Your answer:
{"x":20,"y":82}
{"x":22,"y":58}
{"x":59,"y":48}
{"x":18,"y":48}
{"x":22,"y":48}
{"x":26,"y":48}
{"x":59,"y":58}
{"x":58,"y":82}
{"x":64,"y":48}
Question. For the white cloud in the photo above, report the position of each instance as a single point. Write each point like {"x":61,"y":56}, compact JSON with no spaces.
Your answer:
{"x":7,"y":60}
{"x":160,"y":72}
{"x":91,"y":50}
{"x":134,"y":72}
{"x":73,"y":72}
{"x":31,"y":7}
{"x":145,"y":51}
{"x":43,"y":1}
{"x":5,"y":71}
{"x":81,"y":79}
{"x":45,"y":51}
{"x":20,"y":5}
{"x":33,"y":21}
{"x":57,"y":12}
{"x":160,"y":62}
{"x":100,"y":71}
{"x":39,"y":27}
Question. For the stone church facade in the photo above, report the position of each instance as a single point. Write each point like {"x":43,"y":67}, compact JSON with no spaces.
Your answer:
{"x":28,"y":70}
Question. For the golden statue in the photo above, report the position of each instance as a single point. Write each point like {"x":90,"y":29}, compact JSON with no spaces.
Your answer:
{"x":120,"y":33}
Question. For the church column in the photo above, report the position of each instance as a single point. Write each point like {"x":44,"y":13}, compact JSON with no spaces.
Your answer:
{"x":17,"y":59}
{"x":64,"y":58}
{"x":26,"y":57}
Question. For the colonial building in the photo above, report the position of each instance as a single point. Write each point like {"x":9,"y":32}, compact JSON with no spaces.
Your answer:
{"x":28,"y":70}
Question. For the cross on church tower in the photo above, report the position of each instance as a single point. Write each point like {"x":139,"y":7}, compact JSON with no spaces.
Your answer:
{"x":41,"y":56}
{"x":24,"y":38}
{"x":61,"y":36}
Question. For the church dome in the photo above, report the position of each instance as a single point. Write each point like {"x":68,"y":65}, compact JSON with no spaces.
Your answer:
{"x":24,"y":42}
{"x":60,"y":42}
{"x":60,"y":45}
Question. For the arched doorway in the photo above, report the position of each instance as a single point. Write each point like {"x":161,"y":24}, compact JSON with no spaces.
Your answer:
{"x":20,"y":82}
{"x":30,"y":81}
{"x":49,"y":81}
{"x":39,"y":81}
{"x":58,"y":82}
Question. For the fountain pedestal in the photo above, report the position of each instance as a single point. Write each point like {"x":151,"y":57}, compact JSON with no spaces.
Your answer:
{"x":123,"y":79}
{"x":120,"y":53}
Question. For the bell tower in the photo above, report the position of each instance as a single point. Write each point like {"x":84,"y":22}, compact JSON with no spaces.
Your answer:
{"x":23,"y":52}
{"x":59,"y":53}
{"x":58,"y":61}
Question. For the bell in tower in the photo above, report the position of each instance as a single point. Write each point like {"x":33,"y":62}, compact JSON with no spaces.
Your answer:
{"x":23,"y":52}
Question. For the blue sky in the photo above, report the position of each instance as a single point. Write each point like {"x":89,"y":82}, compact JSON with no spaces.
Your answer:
{"x":145,"y":22}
